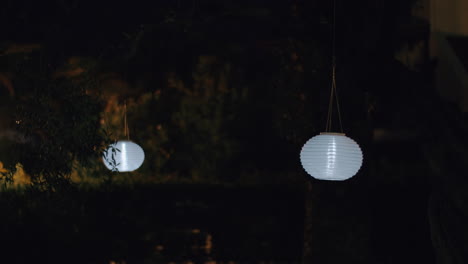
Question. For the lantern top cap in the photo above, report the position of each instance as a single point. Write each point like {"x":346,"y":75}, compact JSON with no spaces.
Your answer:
{"x":332,"y":133}
{"x":124,"y":141}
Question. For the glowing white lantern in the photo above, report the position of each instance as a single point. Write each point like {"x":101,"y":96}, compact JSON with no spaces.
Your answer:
{"x":331,"y":156}
{"x":123,"y":156}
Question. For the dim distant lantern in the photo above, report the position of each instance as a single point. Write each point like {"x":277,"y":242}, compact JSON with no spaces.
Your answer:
{"x":331,"y":156}
{"x":123,"y":156}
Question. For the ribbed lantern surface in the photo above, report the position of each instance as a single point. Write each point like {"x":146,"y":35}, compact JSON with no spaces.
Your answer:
{"x":331,"y":156}
{"x":127,"y":156}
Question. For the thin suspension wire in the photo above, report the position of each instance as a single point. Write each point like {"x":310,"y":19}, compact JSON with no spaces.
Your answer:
{"x":330,"y":107}
{"x":333,"y":92}
{"x":126,"y":131}
{"x":334,"y":34}
{"x":337,"y":101}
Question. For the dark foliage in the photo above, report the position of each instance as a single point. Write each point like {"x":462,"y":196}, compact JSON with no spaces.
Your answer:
{"x":152,"y":224}
{"x":57,"y":121}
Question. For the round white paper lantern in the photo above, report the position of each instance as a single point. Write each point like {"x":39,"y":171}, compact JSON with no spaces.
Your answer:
{"x":123,"y":156}
{"x":331,"y":156}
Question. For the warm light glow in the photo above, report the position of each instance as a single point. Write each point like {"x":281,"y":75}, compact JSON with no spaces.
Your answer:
{"x":331,"y":156}
{"x":127,"y":156}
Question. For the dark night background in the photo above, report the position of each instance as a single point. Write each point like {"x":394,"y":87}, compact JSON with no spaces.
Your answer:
{"x":221,"y":96}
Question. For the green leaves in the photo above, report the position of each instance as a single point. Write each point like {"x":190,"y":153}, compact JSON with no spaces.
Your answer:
{"x":58,"y":119}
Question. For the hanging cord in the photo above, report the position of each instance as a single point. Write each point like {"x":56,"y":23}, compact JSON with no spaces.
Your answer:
{"x":126,"y":130}
{"x":330,"y":105}
{"x":333,"y":90}
{"x":333,"y":96}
